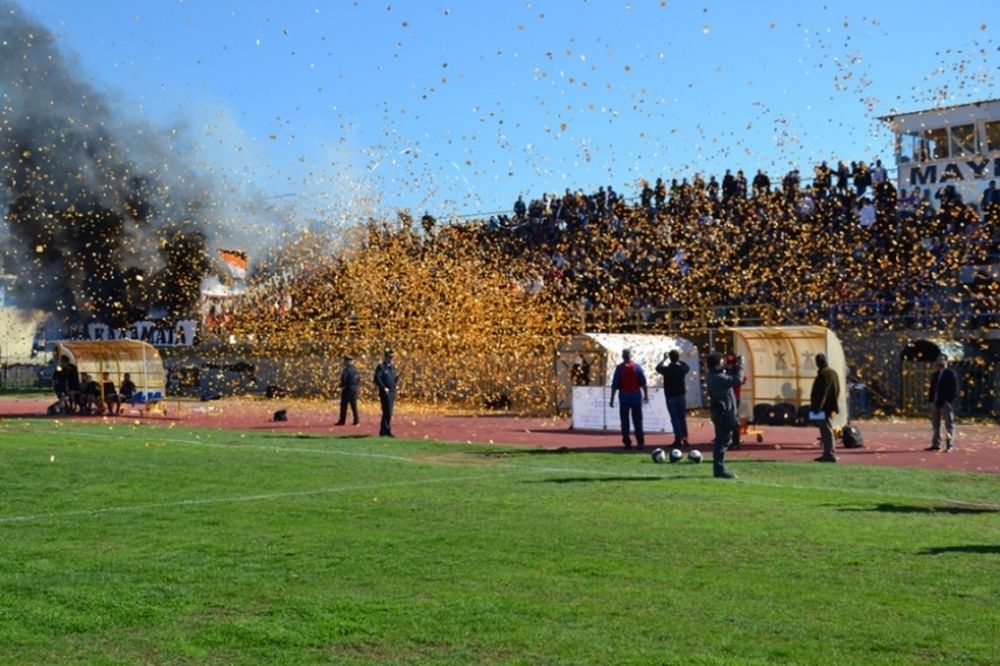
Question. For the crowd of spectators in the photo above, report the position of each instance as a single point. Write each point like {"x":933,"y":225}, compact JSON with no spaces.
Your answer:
{"x":847,"y":235}
{"x":843,"y":236}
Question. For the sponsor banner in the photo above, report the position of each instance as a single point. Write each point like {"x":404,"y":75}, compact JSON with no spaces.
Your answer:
{"x":156,"y":333}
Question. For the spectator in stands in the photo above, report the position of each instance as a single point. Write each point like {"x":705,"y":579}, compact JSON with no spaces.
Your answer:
{"x":728,"y":185}
{"x":712,"y":189}
{"x":990,"y":199}
{"x":741,"y":184}
{"x":866,"y":213}
{"x":790,"y":185}
{"x":660,"y":196}
{"x":675,"y":392}
{"x":843,"y":174}
{"x":822,"y":180}
{"x":761,"y":184}
{"x":520,"y":209}
{"x":878,"y":175}
{"x":862,"y":178}
{"x":630,"y":381}
{"x":941,"y":393}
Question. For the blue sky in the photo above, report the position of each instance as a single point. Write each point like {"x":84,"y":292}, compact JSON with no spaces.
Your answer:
{"x":343,"y":109}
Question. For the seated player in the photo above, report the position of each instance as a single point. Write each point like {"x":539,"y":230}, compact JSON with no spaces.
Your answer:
{"x":127,"y":391}
{"x":66,"y":383}
{"x":90,"y":395}
{"x":112,"y":401}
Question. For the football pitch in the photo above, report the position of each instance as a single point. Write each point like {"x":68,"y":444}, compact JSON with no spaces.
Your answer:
{"x":143,"y":544}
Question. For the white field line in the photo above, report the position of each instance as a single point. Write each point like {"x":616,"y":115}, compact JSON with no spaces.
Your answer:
{"x":239,"y":498}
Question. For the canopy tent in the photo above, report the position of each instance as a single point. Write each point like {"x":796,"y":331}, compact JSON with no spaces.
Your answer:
{"x":780,"y":362}
{"x":116,"y":357}
{"x":585,"y":365}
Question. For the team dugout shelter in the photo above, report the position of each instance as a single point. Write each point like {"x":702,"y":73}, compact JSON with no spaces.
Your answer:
{"x":780,"y":362}
{"x":116,"y":357}
{"x":585,"y":365}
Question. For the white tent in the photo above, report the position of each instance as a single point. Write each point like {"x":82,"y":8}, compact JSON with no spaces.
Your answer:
{"x":780,"y":362}
{"x":585,"y":365}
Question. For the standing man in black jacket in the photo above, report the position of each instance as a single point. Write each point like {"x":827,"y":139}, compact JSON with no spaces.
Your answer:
{"x":675,"y":391}
{"x":386,"y":379}
{"x":824,"y":402}
{"x":941,"y":394}
{"x":350,"y":382}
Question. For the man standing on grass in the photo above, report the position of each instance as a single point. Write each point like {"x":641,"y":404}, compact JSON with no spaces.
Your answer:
{"x":386,"y":380}
{"x":675,"y":392}
{"x":942,"y":393}
{"x":823,"y":403}
{"x":723,"y":410}
{"x":630,"y":381}
{"x":350,"y":383}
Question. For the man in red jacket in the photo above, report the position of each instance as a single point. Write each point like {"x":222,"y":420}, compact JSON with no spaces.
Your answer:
{"x":630,"y":381}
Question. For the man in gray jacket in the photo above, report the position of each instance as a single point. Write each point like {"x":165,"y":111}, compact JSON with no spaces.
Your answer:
{"x":723,"y":409}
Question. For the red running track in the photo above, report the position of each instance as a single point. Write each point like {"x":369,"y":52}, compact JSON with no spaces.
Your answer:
{"x":899,"y":442}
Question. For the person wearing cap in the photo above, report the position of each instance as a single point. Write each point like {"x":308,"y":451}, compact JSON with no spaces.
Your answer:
{"x":630,"y":381}
{"x":942,"y":392}
{"x":386,"y":380}
{"x":350,"y":383}
{"x":823,"y":402}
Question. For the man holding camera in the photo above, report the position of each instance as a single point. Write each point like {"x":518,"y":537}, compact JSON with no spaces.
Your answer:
{"x":723,"y":409}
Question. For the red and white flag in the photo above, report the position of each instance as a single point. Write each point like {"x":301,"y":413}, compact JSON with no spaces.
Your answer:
{"x":236,"y":262}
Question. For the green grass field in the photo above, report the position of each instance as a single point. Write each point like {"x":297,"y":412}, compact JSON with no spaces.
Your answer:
{"x":151,"y":545}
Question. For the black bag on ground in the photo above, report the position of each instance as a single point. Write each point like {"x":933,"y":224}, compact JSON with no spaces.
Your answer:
{"x":851,"y":436}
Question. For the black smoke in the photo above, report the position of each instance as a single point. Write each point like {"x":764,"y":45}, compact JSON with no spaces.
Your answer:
{"x":103,"y":221}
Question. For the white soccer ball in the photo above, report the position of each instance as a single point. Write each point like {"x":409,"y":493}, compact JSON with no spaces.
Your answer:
{"x":676,"y":455}
{"x":694,"y":455}
{"x":659,"y":455}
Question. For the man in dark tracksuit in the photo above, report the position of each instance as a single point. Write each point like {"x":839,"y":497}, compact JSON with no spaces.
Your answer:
{"x":675,"y":391}
{"x":723,"y":410}
{"x":941,"y":394}
{"x":350,"y":382}
{"x":387,"y":380}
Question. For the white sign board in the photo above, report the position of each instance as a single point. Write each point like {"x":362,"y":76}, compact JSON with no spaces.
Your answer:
{"x":591,"y":410}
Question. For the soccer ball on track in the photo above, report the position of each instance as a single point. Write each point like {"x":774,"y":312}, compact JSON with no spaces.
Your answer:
{"x":659,"y":455}
{"x":694,"y":455}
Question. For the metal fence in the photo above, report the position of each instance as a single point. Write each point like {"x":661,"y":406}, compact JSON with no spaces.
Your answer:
{"x":21,"y":376}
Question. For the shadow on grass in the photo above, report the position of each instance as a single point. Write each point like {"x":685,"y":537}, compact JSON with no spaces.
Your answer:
{"x":972,"y":549}
{"x":909,"y":508}
{"x":598,"y":479}
{"x":302,"y":435}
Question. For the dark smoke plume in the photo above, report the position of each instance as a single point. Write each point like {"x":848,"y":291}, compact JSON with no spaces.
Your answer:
{"x":103,"y":222}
